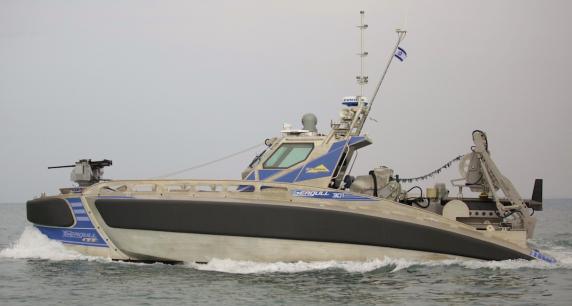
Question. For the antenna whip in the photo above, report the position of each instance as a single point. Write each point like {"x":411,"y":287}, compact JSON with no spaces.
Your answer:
{"x":400,"y":36}
{"x":210,"y":162}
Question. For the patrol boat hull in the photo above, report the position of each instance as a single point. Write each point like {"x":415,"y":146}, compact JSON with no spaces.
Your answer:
{"x":200,"y":230}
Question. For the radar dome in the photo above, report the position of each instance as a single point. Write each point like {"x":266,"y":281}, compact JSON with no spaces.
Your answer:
{"x":309,"y":122}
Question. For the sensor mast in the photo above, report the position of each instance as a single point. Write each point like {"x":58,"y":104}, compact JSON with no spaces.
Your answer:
{"x":361,"y":78}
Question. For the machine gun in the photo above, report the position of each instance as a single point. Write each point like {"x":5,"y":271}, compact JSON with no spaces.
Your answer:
{"x":86,"y":172}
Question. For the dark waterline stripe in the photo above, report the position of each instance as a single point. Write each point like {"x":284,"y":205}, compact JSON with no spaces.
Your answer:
{"x":290,"y":222}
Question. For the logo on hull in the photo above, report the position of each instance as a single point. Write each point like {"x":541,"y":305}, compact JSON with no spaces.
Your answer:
{"x":320,"y":194}
{"x":318,"y":169}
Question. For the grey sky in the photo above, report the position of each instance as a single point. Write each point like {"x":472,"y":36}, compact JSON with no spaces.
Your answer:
{"x":157,"y":86}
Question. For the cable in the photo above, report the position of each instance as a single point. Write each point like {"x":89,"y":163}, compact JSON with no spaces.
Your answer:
{"x":416,"y":199}
{"x":210,"y":162}
{"x":430,"y":174}
{"x":374,"y":178}
{"x":420,"y":190}
{"x":422,"y":206}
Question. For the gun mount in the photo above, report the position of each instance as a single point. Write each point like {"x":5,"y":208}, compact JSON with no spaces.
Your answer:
{"x":86,"y":172}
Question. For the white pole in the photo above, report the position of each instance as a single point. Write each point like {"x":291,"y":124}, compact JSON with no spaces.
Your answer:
{"x":361,"y":54}
{"x":361,"y":78}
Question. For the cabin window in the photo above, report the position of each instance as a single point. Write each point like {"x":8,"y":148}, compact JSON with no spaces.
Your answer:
{"x":288,"y":155}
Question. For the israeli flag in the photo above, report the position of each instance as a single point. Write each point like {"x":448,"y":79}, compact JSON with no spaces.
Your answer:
{"x":400,"y":54}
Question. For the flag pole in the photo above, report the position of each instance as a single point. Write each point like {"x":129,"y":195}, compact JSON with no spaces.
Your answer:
{"x":400,"y":36}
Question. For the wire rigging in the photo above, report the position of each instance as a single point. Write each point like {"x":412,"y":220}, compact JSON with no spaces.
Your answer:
{"x":210,"y":162}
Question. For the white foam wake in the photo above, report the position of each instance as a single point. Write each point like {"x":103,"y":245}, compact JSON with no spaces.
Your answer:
{"x":390,"y":264}
{"x":564,"y":258}
{"x":33,"y":244}
{"x":250,"y":267}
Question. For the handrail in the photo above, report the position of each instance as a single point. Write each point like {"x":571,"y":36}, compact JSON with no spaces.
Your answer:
{"x":262,"y":190}
{"x":204,"y":188}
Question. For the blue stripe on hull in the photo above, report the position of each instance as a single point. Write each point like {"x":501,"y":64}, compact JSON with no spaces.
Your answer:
{"x":82,"y":233}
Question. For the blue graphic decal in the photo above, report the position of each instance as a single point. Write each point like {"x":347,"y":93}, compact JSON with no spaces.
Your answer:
{"x":290,"y":176}
{"x":245,"y":188}
{"x":326,"y":162}
{"x":251,"y":176}
{"x":337,"y":146}
{"x":82,"y":233}
{"x":330,"y":195}
{"x":81,"y":236}
{"x":266,"y":173}
{"x":538,"y":255}
{"x":76,"y":204}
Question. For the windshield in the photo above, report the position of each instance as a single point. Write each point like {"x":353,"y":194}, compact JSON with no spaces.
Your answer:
{"x":288,"y":155}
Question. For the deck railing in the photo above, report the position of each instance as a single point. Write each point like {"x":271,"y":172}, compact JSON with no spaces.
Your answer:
{"x":201,"y":188}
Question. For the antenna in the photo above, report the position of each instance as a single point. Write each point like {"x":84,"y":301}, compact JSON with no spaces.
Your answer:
{"x":400,"y":36}
{"x":361,"y":78}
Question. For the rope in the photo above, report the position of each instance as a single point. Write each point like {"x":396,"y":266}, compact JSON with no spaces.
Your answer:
{"x":432,"y":173}
{"x":210,"y":162}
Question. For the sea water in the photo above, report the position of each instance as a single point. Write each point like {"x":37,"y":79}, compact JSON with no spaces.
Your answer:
{"x":37,"y":271}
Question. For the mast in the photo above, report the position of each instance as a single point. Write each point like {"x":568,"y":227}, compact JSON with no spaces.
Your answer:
{"x":354,"y":117}
{"x":361,"y":78}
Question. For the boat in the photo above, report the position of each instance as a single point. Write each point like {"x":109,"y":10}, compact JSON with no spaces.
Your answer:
{"x":297,"y":201}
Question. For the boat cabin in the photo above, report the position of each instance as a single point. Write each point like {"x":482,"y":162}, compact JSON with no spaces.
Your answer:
{"x":310,"y":158}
